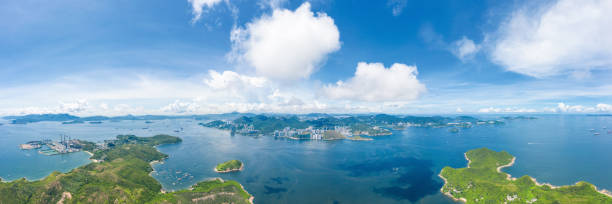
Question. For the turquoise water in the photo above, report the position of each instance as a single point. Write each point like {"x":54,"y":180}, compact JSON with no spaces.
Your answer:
{"x":401,"y":168}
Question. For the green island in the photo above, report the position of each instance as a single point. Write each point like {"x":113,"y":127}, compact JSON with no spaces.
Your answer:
{"x":483,"y":182}
{"x":229,"y":166}
{"x":360,"y":138}
{"x":120,"y":174}
{"x":337,"y":127}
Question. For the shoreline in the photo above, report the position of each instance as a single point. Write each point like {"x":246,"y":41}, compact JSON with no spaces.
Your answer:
{"x":2,"y":180}
{"x":151,"y":173}
{"x":91,"y":155}
{"x":448,"y":194}
{"x":252,"y":198}
{"x":509,"y":177}
{"x":231,"y":170}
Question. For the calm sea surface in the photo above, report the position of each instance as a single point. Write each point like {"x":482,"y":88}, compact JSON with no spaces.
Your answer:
{"x":401,"y":168}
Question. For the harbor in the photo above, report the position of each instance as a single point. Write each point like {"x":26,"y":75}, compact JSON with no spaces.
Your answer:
{"x":49,"y":147}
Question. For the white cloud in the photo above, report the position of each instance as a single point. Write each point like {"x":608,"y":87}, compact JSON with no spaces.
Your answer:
{"x":74,"y":107}
{"x":397,"y":6}
{"x":464,"y":48}
{"x":231,"y":85}
{"x":233,"y":80}
{"x":604,"y":107}
{"x":198,"y":7}
{"x":563,"y":108}
{"x":507,"y":110}
{"x":459,"y":110}
{"x":181,"y":107}
{"x":566,"y":108}
{"x":565,"y":37}
{"x":374,"y":82}
{"x":273,"y":4}
{"x":287,"y":45}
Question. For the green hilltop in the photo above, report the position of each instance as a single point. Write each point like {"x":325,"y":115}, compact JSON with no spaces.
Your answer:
{"x":122,"y":175}
{"x":231,"y":165}
{"x":483,"y":182}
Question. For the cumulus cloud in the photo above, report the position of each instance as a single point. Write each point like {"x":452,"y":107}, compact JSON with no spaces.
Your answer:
{"x":604,"y":107}
{"x":374,"y":82}
{"x":397,"y":6}
{"x":566,"y":108}
{"x":230,"y":84}
{"x":181,"y":107}
{"x":198,"y":6}
{"x":565,"y":37}
{"x":74,"y":107}
{"x":506,"y":110}
{"x":233,"y":80}
{"x":464,"y":48}
{"x":286,"y":45}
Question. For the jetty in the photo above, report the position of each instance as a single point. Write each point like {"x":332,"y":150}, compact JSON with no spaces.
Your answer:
{"x":64,"y":145}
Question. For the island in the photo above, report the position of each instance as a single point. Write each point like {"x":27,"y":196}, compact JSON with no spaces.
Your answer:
{"x":229,"y":166}
{"x":337,"y":127}
{"x":483,"y":182}
{"x":120,"y":174}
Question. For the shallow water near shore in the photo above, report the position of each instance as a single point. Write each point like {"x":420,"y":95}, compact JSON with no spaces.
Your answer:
{"x":400,"y":168}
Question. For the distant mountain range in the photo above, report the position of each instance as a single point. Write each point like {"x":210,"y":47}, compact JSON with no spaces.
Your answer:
{"x":372,"y":118}
{"x":71,"y":119}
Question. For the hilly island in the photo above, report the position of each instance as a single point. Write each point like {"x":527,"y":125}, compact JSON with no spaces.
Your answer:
{"x":483,"y":182}
{"x":120,"y":174}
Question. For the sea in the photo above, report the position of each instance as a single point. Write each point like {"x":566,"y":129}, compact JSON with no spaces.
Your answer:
{"x":399,"y":168}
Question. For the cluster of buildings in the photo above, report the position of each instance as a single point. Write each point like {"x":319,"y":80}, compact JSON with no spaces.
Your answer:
{"x":311,"y":132}
{"x":64,"y":145}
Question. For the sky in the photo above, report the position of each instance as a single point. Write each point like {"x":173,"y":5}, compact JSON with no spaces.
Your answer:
{"x":87,"y":57}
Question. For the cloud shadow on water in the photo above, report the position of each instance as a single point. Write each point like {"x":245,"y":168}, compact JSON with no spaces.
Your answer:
{"x":415,"y":178}
{"x":279,"y":180}
{"x":273,"y":190}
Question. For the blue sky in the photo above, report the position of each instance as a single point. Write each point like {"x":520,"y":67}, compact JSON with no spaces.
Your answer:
{"x":213,"y":56}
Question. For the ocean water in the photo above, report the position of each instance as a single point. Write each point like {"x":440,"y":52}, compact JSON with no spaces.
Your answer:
{"x":400,"y":168}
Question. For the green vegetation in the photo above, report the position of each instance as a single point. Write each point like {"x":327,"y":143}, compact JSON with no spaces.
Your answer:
{"x":87,"y":145}
{"x":122,"y":176}
{"x":483,"y":182}
{"x":231,"y":165}
{"x":213,"y":191}
{"x":370,"y":125}
{"x":359,"y":138}
{"x":333,"y":135}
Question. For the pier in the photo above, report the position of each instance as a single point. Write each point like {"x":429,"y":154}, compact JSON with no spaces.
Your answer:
{"x":63,"y":146}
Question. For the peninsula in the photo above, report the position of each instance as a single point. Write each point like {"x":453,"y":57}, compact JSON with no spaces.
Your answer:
{"x":229,"y":166}
{"x":121,"y":175}
{"x":483,"y":182}
{"x":337,"y":127}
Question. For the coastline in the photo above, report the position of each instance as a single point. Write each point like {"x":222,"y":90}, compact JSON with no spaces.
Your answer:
{"x":252,"y":198}
{"x":2,"y":180}
{"x":509,"y":177}
{"x":448,"y":194}
{"x":151,"y":173}
{"x":91,"y":155}
{"x":231,"y":170}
